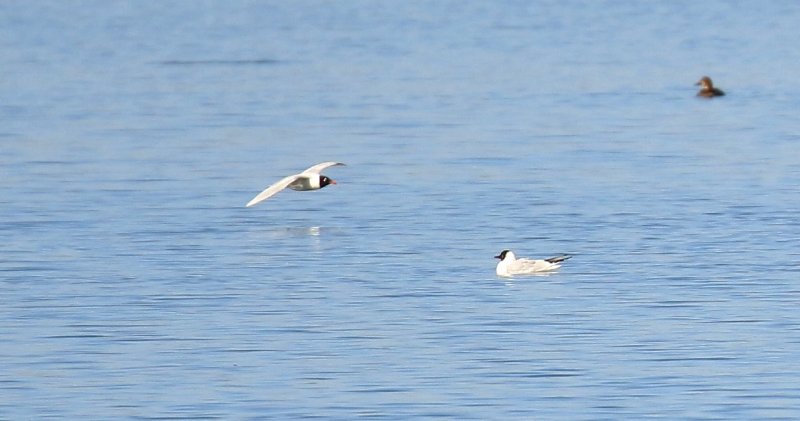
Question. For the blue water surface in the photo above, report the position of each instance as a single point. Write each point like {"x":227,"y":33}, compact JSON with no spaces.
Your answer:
{"x":136,"y":285}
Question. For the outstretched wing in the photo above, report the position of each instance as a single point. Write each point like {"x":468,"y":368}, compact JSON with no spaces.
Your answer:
{"x":316,"y":169}
{"x":273,"y":190}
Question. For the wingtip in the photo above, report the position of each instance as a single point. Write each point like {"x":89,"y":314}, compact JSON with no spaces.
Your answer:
{"x":559,"y":259}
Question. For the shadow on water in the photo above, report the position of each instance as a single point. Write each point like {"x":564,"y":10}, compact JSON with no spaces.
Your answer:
{"x":221,"y":62}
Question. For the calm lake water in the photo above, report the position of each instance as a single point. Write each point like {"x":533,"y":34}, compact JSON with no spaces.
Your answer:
{"x":136,"y":285}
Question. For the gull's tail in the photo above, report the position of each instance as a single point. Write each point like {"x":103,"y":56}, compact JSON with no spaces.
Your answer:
{"x":558,"y":259}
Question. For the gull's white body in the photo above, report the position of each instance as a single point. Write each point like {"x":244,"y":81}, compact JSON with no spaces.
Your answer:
{"x":509,"y":264}
{"x":306,"y":180}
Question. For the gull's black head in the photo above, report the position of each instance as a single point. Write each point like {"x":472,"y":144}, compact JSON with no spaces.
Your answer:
{"x":502,"y":255}
{"x":324,"y":180}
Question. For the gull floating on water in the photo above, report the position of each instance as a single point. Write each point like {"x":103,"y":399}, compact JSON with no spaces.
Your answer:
{"x":310,"y":179}
{"x":509,"y":264}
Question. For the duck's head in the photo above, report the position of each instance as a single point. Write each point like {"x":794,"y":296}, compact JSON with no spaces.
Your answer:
{"x":705,"y":82}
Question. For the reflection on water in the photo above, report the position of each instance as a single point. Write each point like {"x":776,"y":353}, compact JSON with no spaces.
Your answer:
{"x":313,"y":231}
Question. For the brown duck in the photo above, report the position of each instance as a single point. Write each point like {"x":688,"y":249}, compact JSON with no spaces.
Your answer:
{"x":707,"y":88}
